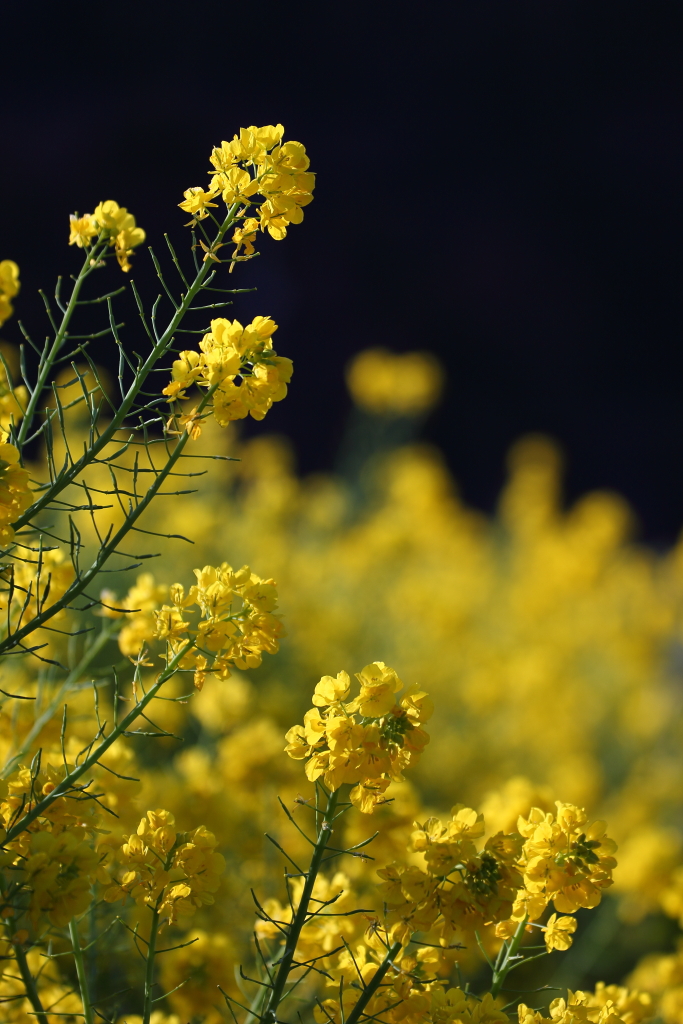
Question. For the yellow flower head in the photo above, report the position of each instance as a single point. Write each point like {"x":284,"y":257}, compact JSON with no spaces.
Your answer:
{"x":198,"y":201}
{"x":82,"y":230}
{"x":559,"y":931}
{"x":366,"y":742}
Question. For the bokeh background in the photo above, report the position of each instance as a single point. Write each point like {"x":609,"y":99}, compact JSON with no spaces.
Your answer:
{"x":498,"y":182}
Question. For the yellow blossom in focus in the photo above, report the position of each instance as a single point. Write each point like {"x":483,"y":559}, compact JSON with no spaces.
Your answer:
{"x":119,"y":225}
{"x":82,"y":230}
{"x":241,"y":362}
{"x":368,"y":751}
{"x":244,"y":235}
{"x":558,"y":932}
{"x":198,"y":201}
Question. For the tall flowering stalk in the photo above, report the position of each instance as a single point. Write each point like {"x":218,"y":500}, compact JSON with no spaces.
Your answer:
{"x":60,"y":533}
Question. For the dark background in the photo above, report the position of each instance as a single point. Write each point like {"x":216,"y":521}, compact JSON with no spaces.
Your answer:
{"x":498,"y":181}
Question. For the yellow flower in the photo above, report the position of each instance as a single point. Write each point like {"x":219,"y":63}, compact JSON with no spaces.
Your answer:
{"x":9,"y":286}
{"x":367,"y":754}
{"x":110,"y":216}
{"x":121,"y":228}
{"x":236,"y":185}
{"x":197,"y":202}
{"x":9,"y":278}
{"x":332,"y":689}
{"x":378,"y":686}
{"x":245,"y":235}
{"x":82,"y":229}
{"x":174,"y":873}
{"x":559,"y":931}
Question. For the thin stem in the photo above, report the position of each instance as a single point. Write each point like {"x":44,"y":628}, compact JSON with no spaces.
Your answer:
{"x":60,"y":337}
{"x":80,"y":972}
{"x":109,"y":548}
{"x":374,"y":983}
{"x":509,"y":959}
{"x":149,"y":971}
{"x":67,"y":783}
{"x":294,"y":930}
{"x":159,"y":350}
{"x":29,"y":984}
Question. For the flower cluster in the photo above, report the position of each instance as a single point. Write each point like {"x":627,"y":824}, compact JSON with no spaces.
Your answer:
{"x":459,"y":888}
{"x":412,"y":992}
{"x":9,"y":286}
{"x":455,"y":888}
{"x":366,"y":741}
{"x":609,"y":1004}
{"x":564,"y":859}
{"x":237,"y":621}
{"x":256,"y":169}
{"x":406,"y":997}
{"x":241,"y":367}
{"x":46,"y":873}
{"x":109,"y":221}
{"x":15,"y":493}
{"x":173,"y":873}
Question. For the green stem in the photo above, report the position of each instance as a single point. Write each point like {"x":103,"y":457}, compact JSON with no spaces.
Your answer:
{"x":29,"y":983}
{"x":80,"y":971}
{"x":108,"y":549}
{"x":158,"y":351}
{"x":374,"y":983}
{"x":149,"y":972}
{"x":67,"y":477}
{"x":294,"y":931}
{"x":67,"y":783}
{"x":508,"y":962}
{"x":47,"y":363}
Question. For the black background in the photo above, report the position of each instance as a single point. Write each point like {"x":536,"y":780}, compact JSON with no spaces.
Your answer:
{"x":498,"y":181}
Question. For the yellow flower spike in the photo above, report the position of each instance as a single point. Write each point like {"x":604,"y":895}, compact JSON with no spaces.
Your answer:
{"x":241,"y":361}
{"x":342,"y":748}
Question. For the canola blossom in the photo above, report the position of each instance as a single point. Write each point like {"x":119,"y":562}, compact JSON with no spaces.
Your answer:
{"x":420,"y":832}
